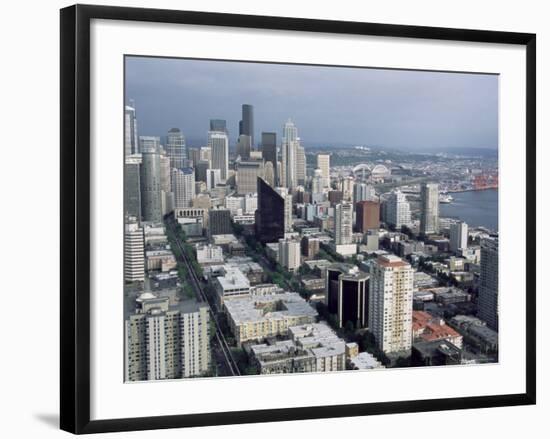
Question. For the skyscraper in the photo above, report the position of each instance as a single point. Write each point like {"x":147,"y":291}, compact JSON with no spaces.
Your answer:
{"x":219,"y":143}
{"x":247,"y":175}
{"x":183,"y":187}
{"x":244,"y":146}
{"x":343,"y":224}
{"x":397,"y":210}
{"x":300,"y":165}
{"x":323,"y":163}
{"x":289,"y":145}
{"x":132,"y":186}
{"x":218,"y":125}
{"x":134,"y":253}
{"x":166,"y":341}
{"x":247,"y":122}
{"x":148,"y":143}
{"x":131,"y":145}
{"x":213,"y":178}
{"x":488,"y":283}
{"x":458,"y":236}
{"x":270,"y":214}
{"x":167,"y":196}
{"x":176,"y":149}
{"x":269,"y":152}
{"x":150,"y":179}
{"x":346,"y":185}
{"x":363,"y":192}
{"x":269,"y":174}
{"x":283,"y":192}
{"x":429,"y":208}
{"x":367,"y":215}
{"x":390,"y":304}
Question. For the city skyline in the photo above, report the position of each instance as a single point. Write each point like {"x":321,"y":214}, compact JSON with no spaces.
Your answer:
{"x":395,"y":109}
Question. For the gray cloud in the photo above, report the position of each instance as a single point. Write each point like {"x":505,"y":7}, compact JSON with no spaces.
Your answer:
{"x":330,"y":105}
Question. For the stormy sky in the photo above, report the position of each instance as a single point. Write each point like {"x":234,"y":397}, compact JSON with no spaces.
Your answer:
{"x":329,"y":105}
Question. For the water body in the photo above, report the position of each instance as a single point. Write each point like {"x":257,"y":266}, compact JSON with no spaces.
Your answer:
{"x":476,"y":208}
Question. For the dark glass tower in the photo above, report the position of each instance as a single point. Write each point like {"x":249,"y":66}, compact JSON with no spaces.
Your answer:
{"x":269,"y":151}
{"x":247,"y":122}
{"x":270,"y":215}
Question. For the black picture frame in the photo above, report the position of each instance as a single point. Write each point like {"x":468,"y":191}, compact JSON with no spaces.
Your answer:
{"x":75,"y":217}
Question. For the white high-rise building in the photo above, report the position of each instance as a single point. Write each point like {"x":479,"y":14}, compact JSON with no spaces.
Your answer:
{"x":289,"y":254}
{"x":205,"y":154}
{"x":397,"y":210}
{"x":219,"y":143}
{"x":213,"y":178}
{"x":288,"y":207}
{"x":134,"y":253}
{"x":391,"y":304}
{"x":300,"y":165}
{"x":488,"y":283}
{"x":343,"y":224}
{"x":429,"y":208}
{"x":323,"y":163}
{"x":166,"y":341}
{"x":458,"y":236}
{"x":317,"y":182}
{"x":363,"y":192}
{"x":346,"y":185}
{"x":176,"y":149}
{"x":183,"y":187}
{"x":289,"y":152}
{"x":131,"y":143}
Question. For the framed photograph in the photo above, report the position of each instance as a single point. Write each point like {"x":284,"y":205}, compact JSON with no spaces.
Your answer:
{"x":276,"y":218}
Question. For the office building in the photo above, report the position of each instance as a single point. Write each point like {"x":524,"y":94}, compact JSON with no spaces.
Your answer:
{"x":317,"y":184}
{"x":323,"y":163}
{"x":165,"y":341}
{"x":132,"y":186}
{"x":346,"y":185}
{"x":289,"y":254}
{"x":397,"y":210}
{"x":367,"y":215}
{"x":269,"y":154}
{"x":390,"y":304}
{"x":310,"y":246}
{"x":150,"y":179}
{"x":213,"y":178}
{"x":458,"y":236}
{"x":219,"y":222}
{"x":134,"y":253}
{"x":244,"y":146}
{"x":183,"y":187}
{"x":149,"y":143}
{"x":270,"y":214}
{"x":247,"y":176}
{"x":246,"y":125}
{"x":201,"y":167}
{"x":219,"y":144}
{"x":176,"y":149}
{"x":488,"y":283}
{"x":131,"y":144}
{"x":289,"y":146}
{"x":167,"y":196}
{"x":363,"y":192}
{"x":300,"y":165}
{"x":269,"y":174}
{"x":206,"y":154}
{"x":347,"y":294}
{"x":429,"y":208}
{"x":219,"y":125}
{"x":255,"y":318}
{"x":343,"y":224}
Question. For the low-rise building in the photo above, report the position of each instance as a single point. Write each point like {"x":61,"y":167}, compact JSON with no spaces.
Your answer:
{"x":429,"y":328}
{"x":209,"y":254}
{"x":257,"y":317}
{"x":163,"y":260}
{"x":231,"y":285}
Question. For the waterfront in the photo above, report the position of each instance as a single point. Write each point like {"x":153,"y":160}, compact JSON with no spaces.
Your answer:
{"x":477,"y":208}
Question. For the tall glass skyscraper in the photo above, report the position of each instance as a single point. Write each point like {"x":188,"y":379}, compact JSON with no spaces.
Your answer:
{"x":151,"y":184}
{"x":219,"y":143}
{"x":270,"y":214}
{"x":269,"y":151}
{"x":176,"y":148}
{"x":131,"y":145}
{"x":246,"y":126}
{"x":218,"y":125}
{"x":429,"y":208}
